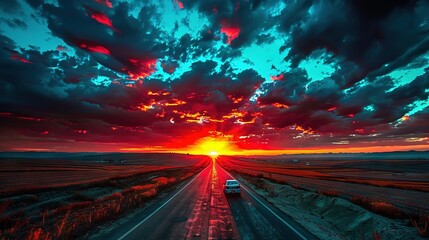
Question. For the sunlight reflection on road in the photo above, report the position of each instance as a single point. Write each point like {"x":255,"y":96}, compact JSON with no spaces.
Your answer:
{"x":221,"y":220}
{"x":212,"y":217}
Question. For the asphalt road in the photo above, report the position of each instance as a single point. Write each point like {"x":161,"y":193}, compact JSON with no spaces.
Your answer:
{"x":200,"y":210}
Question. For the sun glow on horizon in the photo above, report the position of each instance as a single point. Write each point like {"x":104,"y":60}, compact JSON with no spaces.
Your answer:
{"x":213,"y":147}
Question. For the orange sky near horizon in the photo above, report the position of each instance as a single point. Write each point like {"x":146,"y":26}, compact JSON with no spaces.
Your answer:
{"x":206,"y":146}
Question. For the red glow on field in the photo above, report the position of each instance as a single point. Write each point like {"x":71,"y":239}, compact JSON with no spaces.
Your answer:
{"x":141,"y":68}
{"x":332,"y":109}
{"x":17,"y":57}
{"x":350,"y":115}
{"x":277,"y":78}
{"x":103,"y":19}
{"x":179,"y":4}
{"x":105,"y":3}
{"x":231,"y":32}
{"x":92,"y":47}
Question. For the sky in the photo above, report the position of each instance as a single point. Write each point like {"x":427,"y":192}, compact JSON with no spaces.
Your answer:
{"x":233,"y":77}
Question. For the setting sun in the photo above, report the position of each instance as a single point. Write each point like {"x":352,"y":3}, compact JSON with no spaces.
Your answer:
{"x":213,"y":147}
{"x":213,"y":153}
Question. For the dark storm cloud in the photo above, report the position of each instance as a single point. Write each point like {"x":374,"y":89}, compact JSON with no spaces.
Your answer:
{"x":214,"y":90}
{"x":10,"y":6}
{"x":366,"y":33}
{"x":204,"y":79}
{"x":14,"y":23}
{"x":247,"y":16}
{"x":116,"y":38}
{"x":36,"y":101}
{"x":325,"y":108}
{"x":54,"y":95}
{"x":289,"y":91}
{"x":35,"y":3}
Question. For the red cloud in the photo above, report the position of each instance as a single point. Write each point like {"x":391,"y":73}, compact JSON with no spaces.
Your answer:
{"x":277,"y":78}
{"x":103,"y":19}
{"x":140,"y":68}
{"x":179,"y":4}
{"x":18,"y":57}
{"x":93,"y":47}
{"x":230,"y":31}
{"x":61,"y":48}
{"x":105,"y":3}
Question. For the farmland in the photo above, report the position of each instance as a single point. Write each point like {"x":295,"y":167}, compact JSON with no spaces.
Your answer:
{"x":403,"y":182}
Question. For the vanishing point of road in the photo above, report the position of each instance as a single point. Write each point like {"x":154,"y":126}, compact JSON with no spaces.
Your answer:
{"x":200,"y":210}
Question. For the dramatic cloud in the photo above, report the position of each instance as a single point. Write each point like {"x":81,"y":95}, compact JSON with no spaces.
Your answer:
{"x":162,"y":75}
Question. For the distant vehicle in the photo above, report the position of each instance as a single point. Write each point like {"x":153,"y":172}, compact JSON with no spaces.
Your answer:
{"x":232,"y":187}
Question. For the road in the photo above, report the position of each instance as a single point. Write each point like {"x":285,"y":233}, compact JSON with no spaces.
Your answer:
{"x":200,"y":210}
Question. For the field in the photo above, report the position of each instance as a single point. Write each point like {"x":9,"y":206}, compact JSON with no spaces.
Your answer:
{"x":403,"y":182}
{"x":67,"y":195}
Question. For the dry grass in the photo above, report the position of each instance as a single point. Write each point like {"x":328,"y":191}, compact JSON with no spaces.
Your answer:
{"x":376,"y":236}
{"x":421,"y":224}
{"x":380,"y":207}
{"x":259,"y":182}
{"x":73,"y":219}
{"x":329,"y":193}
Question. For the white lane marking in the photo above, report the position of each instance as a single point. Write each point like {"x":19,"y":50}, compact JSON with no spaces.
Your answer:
{"x":281,"y":219}
{"x":153,"y":213}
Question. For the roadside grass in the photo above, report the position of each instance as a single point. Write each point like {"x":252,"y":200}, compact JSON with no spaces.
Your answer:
{"x":421,"y":223}
{"x":376,"y":235}
{"x":380,"y":207}
{"x":74,"y":217}
{"x":329,"y":193}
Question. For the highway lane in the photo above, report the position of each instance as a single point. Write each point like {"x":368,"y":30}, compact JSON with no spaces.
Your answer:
{"x":200,"y":210}
{"x":258,"y":219}
{"x":195,"y":211}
